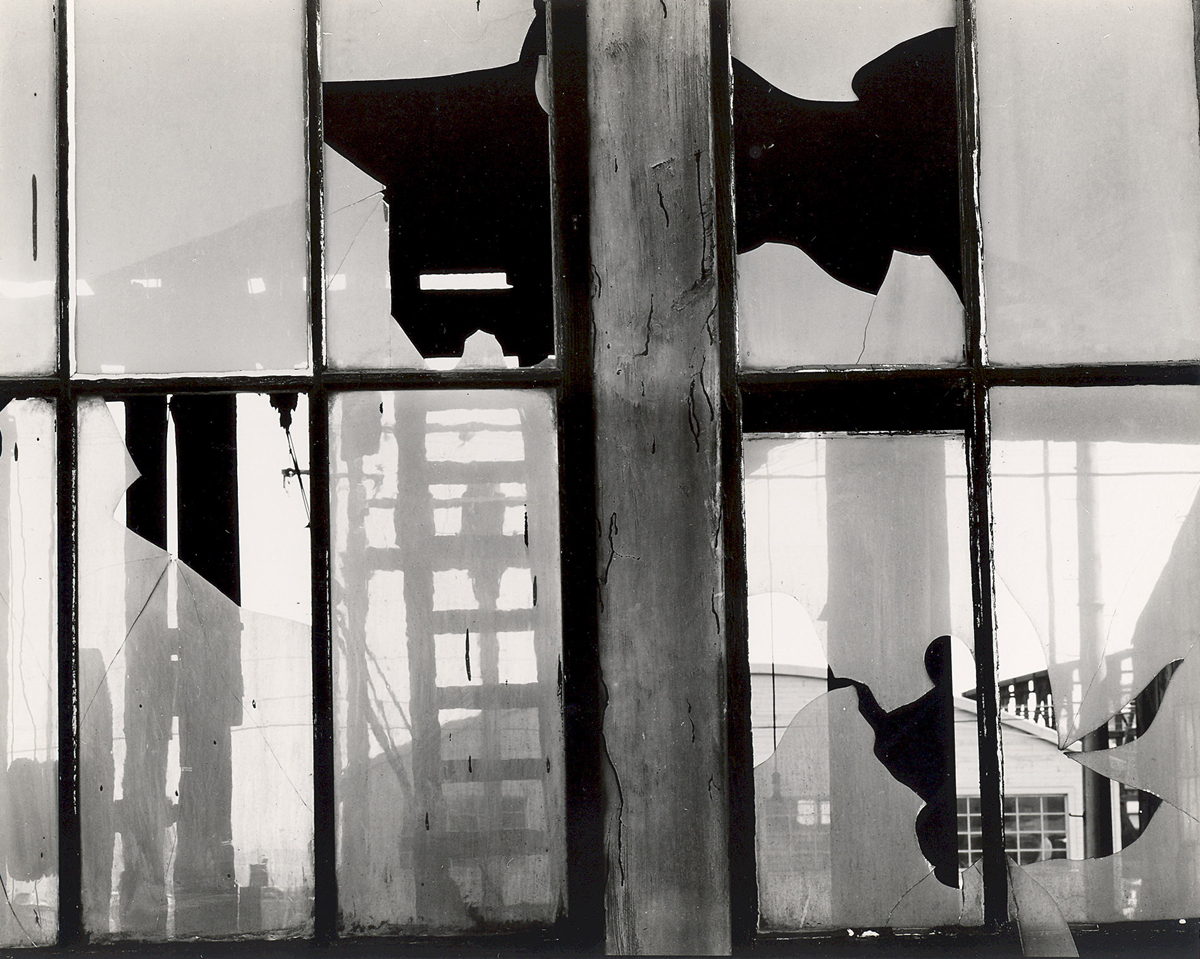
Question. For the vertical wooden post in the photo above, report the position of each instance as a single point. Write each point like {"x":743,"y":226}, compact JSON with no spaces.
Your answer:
{"x":657,"y":398}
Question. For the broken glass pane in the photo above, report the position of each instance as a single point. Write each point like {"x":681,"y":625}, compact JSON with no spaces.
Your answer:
{"x":28,"y":240}
{"x":28,"y":686}
{"x":1097,"y":549}
{"x":437,"y":184}
{"x":844,"y":122}
{"x":857,"y":549}
{"x":1090,"y":180}
{"x":190,"y":187}
{"x":196,"y":708}
{"x":449,"y":728}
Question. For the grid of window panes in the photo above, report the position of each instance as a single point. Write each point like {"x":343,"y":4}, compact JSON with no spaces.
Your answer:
{"x":1035,"y":827}
{"x":1081,"y":437}
{"x":206,"y":809}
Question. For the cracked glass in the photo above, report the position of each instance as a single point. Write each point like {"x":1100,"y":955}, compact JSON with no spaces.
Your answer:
{"x":447,"y":668}
{"x":29,"y":684}
{"x":846,"y":183}
{"x":437,"y":184}
{"x":28,"y":188}
{"x":195,"y":740}
{"x":1089,"y":180}
{"x":1097,"y":549}
{"x":860,"y":653}
{"x":190,"y":187}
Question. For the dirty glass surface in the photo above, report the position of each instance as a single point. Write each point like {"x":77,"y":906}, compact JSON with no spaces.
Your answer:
{"x":195,"y":692}
{"x":860,"y":651}
{"x":437,"y":184}
{"x":28,"y":686}
{"x":190,"y":186}
{"x":450,"y":803}
{"x":1090,"y":180}
{"x":28,"y":242}
{"x":1097,"y":549}
{"x":846,"y":183}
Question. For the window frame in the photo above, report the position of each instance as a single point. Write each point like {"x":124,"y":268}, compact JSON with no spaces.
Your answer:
{"x":569,"y":385}
{"x":897,"y":399}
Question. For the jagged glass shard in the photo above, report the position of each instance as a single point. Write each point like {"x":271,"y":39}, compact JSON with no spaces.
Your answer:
{"x":1152,"y":878}
{"x":190,"y":187}
{"x":1089,"y":180}
{"x":195,"y":712}
{"x":28,"y":188}
{"x":450,"y":790}
{"x":1097,"y":555}
{"x":1040,"y":922}
{"x":28,"y":675}
{"x":1163,"y":759}
{"x":1097,"y":534}
{"x":857,"y":551}
{"x":846,"y":183}
{"x":437,"y":190}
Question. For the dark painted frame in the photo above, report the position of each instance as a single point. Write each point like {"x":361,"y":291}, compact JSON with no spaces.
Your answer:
{"x":900,"y":400}
{"x":582,"y":930}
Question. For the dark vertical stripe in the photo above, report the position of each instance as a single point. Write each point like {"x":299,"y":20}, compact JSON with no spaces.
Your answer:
{"x":567,"y":45}
{"x":146,"y":441}
{"x":743,"y":869}
{"x":70,"y":911}
{"x":995,"y":874}
{"x":325,"y":910}
{"x":33,"y":185}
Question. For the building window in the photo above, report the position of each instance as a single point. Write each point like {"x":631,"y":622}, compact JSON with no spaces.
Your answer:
{"x":1035,"y":827}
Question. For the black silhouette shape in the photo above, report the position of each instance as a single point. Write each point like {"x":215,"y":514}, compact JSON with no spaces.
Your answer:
{"x":464,"y":160}
{"x":849,"y":182}
{"x":465,"y":164}
{"x":915,"y":743}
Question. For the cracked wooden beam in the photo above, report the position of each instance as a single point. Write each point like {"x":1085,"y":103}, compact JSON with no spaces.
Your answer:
{"x":659,"y":549}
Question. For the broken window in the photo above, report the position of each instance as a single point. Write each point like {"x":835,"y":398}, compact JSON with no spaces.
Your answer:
{"x":448,"y":660}
{"x":1057,"y":541}
{"x":846,"y":178}
{"x":859,"y":605}
{"x":196,"y":774}
{"x":437,"y":184}
{"x":1096,"y":560}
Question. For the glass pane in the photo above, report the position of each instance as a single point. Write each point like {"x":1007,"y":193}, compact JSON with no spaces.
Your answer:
{"x":195,"y":691}
{"x":449,"y":727}
{"x":1090,"y":180}
{"x":437,"y":184}
{"x":857,"y":548}
{"x":190,"y":186}
{"x":1097,"y":552}
{"x":28,"y":244}
{"x":846,"y":182}
{"x":29,"y":665}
